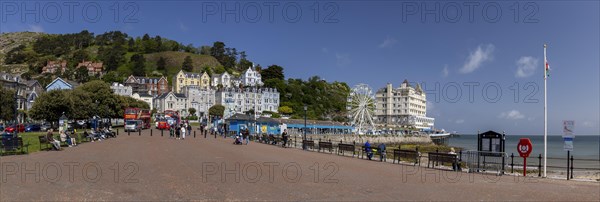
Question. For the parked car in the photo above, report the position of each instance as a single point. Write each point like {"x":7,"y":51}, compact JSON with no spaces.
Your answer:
{"x":33,"y":128}
{"x":11,"y":129}
{"x":45,"y":126}
{"x":133,"y":125}
{"x":163,"y":125}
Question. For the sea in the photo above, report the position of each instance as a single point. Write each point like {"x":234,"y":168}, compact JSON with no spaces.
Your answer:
{"x":586,"y":149}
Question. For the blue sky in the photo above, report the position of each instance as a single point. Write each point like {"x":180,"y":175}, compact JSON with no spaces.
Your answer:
{"x":376,"y":42}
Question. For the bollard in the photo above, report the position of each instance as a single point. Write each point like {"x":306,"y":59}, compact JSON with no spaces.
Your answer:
{"x":215,"y":135}
{"x":140,"y":132}
{"x":150,"y":132}
{"x":194,"y":134}
{"x":128,"y":133}
{"x":572,"y":166}
{"x":161,"y":132}
{"x":204,"y":135}
{"x":512,"y":162}
{"x":540,"y":165}
{"x":117,"y":132}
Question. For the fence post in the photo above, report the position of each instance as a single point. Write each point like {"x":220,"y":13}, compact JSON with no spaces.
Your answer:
{"x":140,"y":132}
{"x":572,"y":166}
{"x":117,"y":132}
{"x":194,"y":134}
{"x":128,"y":133}
{"x":215,"y":135}
{"x":512,"y":162}
{"x":540,"y":165}
{"x":150,"y":131}
{"x":205,"y":134}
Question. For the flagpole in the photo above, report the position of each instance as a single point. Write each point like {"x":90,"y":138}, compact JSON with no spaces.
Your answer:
{"x":545,"y":112}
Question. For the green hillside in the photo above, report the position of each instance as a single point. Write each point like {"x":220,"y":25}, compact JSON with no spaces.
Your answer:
{"x":174,"y":60}
{"x":123,"y":55}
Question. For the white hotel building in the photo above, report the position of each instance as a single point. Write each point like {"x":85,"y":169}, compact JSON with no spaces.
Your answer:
{"x":401,"y":107}
{"x":241,"y":100}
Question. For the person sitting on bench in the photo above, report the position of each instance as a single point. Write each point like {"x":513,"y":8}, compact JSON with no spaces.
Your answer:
{"x":51,"y":140}
{"x":455,"y":166}
{"x":368,"y":150}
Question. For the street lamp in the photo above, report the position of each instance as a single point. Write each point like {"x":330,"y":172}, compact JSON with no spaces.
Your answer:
{"x":304,"y":130}
{"x":16,"y":131}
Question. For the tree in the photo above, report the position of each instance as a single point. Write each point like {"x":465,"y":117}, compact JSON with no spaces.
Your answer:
{"x":205,"y":50}
{"x":82,"y":75}
{"x":272,"y":72}
{"x":286,"y":110}
{"x":139,"y":64}
{"x":187,"y":65}
{"x":216,"y":110}
{"x":49,"y":106}
{"x":7,"y":103}
{"x":111,"y":77}
{"x":192,"y":111}
{"x":208,"y":70}
{"x":112,"y":57}
{"x":161,"y":63}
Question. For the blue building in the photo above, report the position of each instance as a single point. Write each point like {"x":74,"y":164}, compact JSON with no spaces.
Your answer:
{"x":60,"y":84}
{"x":265,"y":125}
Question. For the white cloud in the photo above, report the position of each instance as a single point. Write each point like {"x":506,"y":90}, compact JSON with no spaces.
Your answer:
{"x":445,"y":71}
{"x":512,"y":114}
{"x":342,"y":59}
{"x":35,"y":28}
{"x":588,"y":124}
{"x":526,"y":66}
{"x":482,"y":54}
{"x":459,"y":121}
{"x":388,"y":42}
{"x":182,"y":27}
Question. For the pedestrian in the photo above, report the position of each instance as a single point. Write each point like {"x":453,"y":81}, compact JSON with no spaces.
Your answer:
{"x":177,"y":132}
{"x":189,"y":129}
{"x":183,"y":131}
{"x":284,"y":135}
{"x":382,"y":152}
{"x":246,"y":136}
{"x":171,"y":131}
{"x":368,"y":150}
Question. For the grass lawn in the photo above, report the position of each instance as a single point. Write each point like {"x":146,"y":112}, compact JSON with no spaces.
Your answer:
{"x":31,"y":140}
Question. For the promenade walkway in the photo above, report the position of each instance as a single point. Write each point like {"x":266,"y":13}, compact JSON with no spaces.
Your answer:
{"x":144,"y":168}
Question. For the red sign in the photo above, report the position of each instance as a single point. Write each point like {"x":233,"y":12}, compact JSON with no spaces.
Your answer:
{"x":524,"y":147}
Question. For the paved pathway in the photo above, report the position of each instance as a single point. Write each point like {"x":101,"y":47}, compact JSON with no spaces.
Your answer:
{"x":158,"y":168}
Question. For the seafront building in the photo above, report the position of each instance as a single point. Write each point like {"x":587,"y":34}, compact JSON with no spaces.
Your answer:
{"x":402,"y":107}
{"x":241,"y":100}
{"x":199,"y":98}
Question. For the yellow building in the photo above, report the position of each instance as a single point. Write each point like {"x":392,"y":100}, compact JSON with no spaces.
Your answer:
{"x":183,"y":79}
{"x":205,"y":80}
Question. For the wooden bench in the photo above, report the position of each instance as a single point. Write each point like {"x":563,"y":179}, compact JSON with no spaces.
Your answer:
{"x":346,"y":147}
{"x":12,"y":145}
{"x":363,"y":151}
{"x":406,"y":154}
{"x":309,"y":143}
{"x":435,"y":157}
{"x":325,"y":145}
{"x":44,"y":141}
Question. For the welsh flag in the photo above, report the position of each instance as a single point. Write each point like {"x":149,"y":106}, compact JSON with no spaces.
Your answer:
{"x":547,"y":69}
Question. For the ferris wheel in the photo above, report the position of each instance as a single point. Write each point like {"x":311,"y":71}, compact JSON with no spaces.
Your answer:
{"x":361,"y":108}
